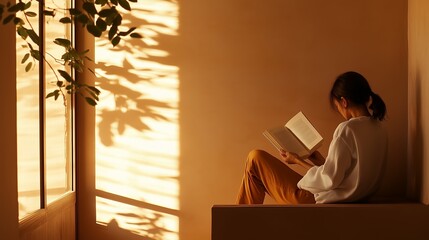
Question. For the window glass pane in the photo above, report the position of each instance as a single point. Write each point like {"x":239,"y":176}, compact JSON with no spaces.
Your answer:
{"x":58,"y":112}
{"x":27,"y":84}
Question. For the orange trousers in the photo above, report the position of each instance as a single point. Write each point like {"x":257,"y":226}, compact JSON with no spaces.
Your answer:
{"x":265,"y":173}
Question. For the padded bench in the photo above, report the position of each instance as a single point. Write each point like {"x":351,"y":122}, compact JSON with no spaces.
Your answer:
{"x":379,"y":221}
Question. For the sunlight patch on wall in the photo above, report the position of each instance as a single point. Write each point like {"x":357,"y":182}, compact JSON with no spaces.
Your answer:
{"x":137,"y":154}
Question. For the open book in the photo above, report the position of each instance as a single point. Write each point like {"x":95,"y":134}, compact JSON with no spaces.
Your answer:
{"x":298,"y":136}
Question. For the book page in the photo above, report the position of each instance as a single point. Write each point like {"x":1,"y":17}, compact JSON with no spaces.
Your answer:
{"x":283,"y":139}
{"x":304,"y":130}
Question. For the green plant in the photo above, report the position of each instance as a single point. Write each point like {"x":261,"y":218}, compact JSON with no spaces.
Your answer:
{"x":97,"y":17}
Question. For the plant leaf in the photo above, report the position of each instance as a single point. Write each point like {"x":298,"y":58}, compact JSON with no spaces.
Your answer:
{"x":136,"y":35}
{"x":35,"y":54}
{"x":25,"y":58}
{"x":22,"y":32}
{"x":65,"y":75}
{"x":27,"y":5}
{"x":31,"y":14}
{"x":101,"y":24}
{"x":33,"y":35}
{"x":82,"y":18}
{"x":112,"y":31}
{"x":118,"y":20}
{"x":110,"y":18}
{"x":91,"y":101}
{"x":65,"y":20}
{"x":94,"y":89}
{"x":18,"y":21}
{"x":115,"y":41}
{"x":28,"y":67}
{"x":66,"y":57}
{"x":69,"y":87}
{"x":49,"y":13}
{"x":94,"y":30}
{"x":101,"y":2}
{"x":8,"y":18}
{"x":62,"y":42}
{"x":17,"y":7}
{"x":74,"y":11}
{"x":90,"y":8}
{"x":106,"y":12}
{"x":93,"y":95}
{"x":53,"y":94}
{"x":125,"y":4}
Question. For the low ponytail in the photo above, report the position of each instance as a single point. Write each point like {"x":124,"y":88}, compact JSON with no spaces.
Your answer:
{"x":378,"y":107}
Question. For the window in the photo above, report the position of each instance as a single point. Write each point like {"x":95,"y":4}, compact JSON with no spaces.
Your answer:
{"x":44,"y":125}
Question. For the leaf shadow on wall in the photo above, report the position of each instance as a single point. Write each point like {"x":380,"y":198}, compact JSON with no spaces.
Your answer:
{"x":115,"y":232}
{"x":127,"y":181}
{"x":131,"y":105}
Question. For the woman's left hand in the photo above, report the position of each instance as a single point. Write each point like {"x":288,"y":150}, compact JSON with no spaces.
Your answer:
{"x":290,"y":157}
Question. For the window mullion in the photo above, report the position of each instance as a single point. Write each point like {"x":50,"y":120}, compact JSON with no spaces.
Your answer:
{"x":42,"y":125}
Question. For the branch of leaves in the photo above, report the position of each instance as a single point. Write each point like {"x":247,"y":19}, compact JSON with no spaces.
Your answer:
{"x":13,"y":9}
{"x":71,"y":57}
{"x":107,"y":19}
{"x":74,"y":59}
{"x":96,"y":23}
{"x":21,"y":30}
{"x":89,"y":93}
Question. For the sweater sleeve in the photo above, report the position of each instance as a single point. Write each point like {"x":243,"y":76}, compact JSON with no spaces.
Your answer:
{"x":330,"y":175}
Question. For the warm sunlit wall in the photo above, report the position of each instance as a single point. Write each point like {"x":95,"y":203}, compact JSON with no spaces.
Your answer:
{"x":418,"y":97}
{"x":136,"y":168}
{"x":248,"y":65}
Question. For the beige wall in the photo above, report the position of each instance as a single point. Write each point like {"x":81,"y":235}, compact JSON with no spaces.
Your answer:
{"x":248,"y":65}
{"x":418,"y":98}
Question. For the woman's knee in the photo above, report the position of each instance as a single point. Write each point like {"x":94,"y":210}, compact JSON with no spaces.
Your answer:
{"x":255,"y":157}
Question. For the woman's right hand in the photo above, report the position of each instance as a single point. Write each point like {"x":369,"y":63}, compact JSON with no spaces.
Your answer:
{"x":317,"y":158}
{"x":289,"y":157}
{"x":292,"y":158}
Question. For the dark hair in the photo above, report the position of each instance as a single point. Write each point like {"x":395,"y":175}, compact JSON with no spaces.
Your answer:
{"x":355,"y":88}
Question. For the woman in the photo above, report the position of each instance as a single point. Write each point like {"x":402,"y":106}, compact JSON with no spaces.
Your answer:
{"x":353,"y":168}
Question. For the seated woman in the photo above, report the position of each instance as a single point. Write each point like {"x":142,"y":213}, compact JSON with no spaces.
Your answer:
{"x":353,"y":168}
